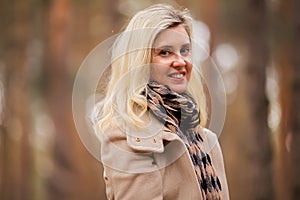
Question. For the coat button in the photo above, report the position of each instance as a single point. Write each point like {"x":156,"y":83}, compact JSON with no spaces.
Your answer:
{"x":137,"y":139}
{"x":154,"y":140}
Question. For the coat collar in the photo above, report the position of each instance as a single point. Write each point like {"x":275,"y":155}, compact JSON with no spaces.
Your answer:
{"x":151,"y":138}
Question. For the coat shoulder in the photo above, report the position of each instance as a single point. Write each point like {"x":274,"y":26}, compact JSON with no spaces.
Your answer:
{"x":135,"y":139}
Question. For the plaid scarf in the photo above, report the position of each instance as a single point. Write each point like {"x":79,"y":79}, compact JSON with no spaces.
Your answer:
{"x":179,"y":113}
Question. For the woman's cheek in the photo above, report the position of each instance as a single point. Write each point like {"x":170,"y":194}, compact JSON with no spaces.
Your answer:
{"x":189,"y":68}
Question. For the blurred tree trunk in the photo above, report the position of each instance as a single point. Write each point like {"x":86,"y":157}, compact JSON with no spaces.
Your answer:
{"x":282,"y":55}
{"x":283,"y":162}
{"x":260,"y":152}
{"x":288,"y":51}
{"x":16,"y":160}
{"x":295,"y":91}
{"x":76,"y":174}
{"x":64,"y":179}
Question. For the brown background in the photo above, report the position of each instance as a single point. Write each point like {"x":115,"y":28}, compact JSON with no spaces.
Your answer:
{"x":43,"y":43}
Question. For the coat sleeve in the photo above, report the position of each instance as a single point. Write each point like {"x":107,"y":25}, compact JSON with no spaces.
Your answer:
{"x":129,"y":174}
{"x":215,"y":151}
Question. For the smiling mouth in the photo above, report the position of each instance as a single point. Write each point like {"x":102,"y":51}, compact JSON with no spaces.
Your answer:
{"x":177,"y":75}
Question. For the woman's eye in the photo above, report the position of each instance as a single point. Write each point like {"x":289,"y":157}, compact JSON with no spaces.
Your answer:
{"x":185,"y":51}
{"x":165,"y":52}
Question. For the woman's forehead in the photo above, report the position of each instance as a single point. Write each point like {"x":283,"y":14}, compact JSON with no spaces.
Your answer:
{"x":172,"y":36}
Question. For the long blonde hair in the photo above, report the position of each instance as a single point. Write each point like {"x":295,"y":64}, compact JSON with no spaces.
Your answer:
{"x":124,"y":103}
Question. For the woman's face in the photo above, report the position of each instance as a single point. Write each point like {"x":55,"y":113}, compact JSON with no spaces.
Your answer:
{"x":171,"y":59}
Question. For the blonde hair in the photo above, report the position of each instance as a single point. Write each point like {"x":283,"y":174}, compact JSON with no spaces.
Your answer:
{"x":124,"y":103}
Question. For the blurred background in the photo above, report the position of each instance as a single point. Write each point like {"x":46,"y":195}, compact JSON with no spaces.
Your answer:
{"x":255,"y":43}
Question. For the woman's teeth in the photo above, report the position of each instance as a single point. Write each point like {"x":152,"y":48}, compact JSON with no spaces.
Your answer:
{"x":176,"y":75}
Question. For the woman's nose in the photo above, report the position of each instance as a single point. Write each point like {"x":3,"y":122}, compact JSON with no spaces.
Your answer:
{"x":178,"y":61}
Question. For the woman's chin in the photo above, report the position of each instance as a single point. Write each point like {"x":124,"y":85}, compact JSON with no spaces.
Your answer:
{"x":178,"y":88}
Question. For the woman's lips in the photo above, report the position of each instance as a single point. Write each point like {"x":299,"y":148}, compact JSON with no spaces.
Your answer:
{"x":178,"y":76}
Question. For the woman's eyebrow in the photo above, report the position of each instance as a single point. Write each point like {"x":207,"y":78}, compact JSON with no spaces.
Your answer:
{"x":164,"y":47}
{"x":171,"y":47}
{"x":186,"y":45}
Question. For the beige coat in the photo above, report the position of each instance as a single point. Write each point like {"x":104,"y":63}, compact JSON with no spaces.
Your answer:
{"x":143,"y":165}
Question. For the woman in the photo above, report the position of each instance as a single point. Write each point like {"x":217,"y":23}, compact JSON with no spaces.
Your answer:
{"x":153,"y":144}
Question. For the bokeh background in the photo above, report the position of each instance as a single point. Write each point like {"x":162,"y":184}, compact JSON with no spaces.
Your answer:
{"x":255,"y":43}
